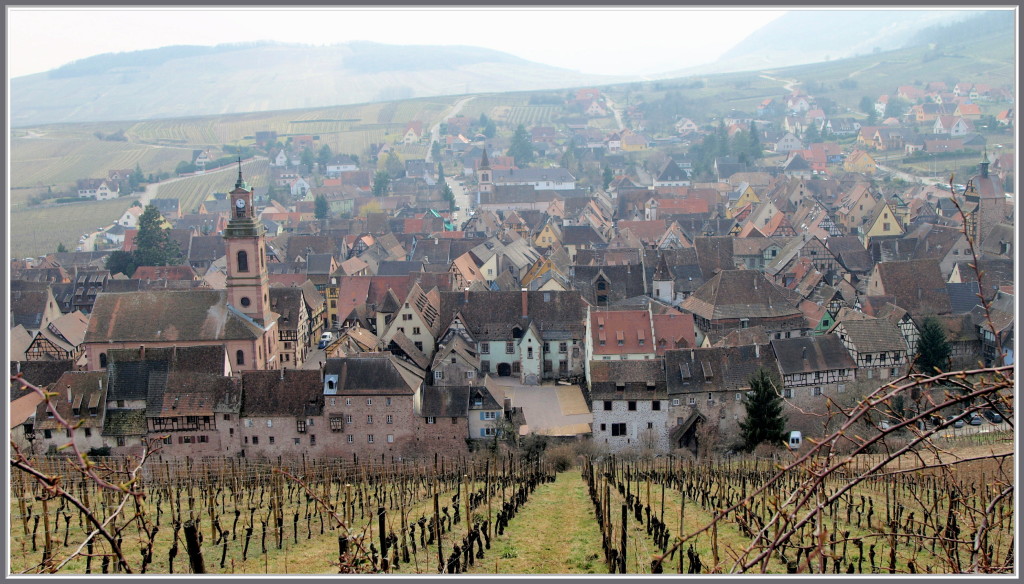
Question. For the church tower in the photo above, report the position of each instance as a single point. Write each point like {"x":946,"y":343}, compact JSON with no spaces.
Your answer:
{"x":985,"y":202}
{"x":484,"y":178}
{"x":245,"y":242}
{"x":664,"y":284}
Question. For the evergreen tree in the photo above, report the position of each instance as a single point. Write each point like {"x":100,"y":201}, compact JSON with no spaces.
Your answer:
{"x":521,"y":149}
{"x":122,"y":262}
{"x":448,"y":195}
{"x":394,"y":166}
{"x":933,"y":349}
{"x":325,"y":155}
{"x":320,"y":207}
{"x":153,"y":243}
{"x":490,"y":129}
{"x":607,"y":177}
{"x":61,"y":248}
{"x":381,"y":183}
{"x":307,"y":158}
{"x":764,"y":421}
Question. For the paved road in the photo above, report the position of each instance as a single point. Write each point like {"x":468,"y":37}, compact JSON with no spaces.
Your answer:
{"x":435,"y":131}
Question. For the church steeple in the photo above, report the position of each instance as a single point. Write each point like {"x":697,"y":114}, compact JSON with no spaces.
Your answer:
{"x":248,"y":282}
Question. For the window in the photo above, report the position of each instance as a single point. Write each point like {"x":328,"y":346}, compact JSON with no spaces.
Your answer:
{"x":350,"y":438}
{"x":227,"y":417}
{"x":563,"y":347}
{"x":312,"y":439}
{"x":240,"y":357}
{"x":103,"y":359}
{"x":270,"y":423}
{"x":510,"y":347}
{"x":893,"y":373}
{"x":485,"y":348}
{"x":167,"y":439}
{"x":787,"y":393}
{"x":369,"y":419}
{"x":47,"y":434}
{"x":604,"y":427}
{"x":619,"y":429}
{"x":348,"y":401}
{"x":739,"y":396}
{"x":620,"y":387}
{"x":369,"y":401}
{"x":391,"y":438}
{"x":336,"y":424}
{"x":656,"y":406}
{"x":632,"y":406}
{"x":691,"y":401}
{"x":841,"y":387}
{"x":255,"y":439}
{"x":419,"y":345}
{"x":650,"y":425}
{"x":431,"y":420}
{"x":88,"y":432}
{"x":296,"y":441}
{"x":485,"y":366}
{"x":300,"y":426}
{"x":490,"y":415}
{"x":243,"y":261}
{"x":675,"y":402}
{"x":529,"y":352}
{"x":389,"y":419}
{"x":201,"y":439}
{"x":816,"y":391}
{"x":120,"y":441}
{"x":120,"y":403}
{"x":369,"y":438}
{"x":455,"y":420}
{"x":333,"y":401}
{"x":406,"y":317}
{"x":607,"y":405}
{"x":415,"y":330}
{"x":348,"y":418}
{"x":387,"y":401}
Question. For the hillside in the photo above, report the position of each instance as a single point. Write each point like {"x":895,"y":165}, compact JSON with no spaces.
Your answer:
{"x":229,"y":79}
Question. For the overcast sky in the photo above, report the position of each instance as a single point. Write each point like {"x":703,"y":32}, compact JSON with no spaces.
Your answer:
{"x":605,"y":40}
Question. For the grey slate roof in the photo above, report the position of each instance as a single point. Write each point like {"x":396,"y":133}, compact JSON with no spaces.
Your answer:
{"x":716,"y":368}
{"x":874,"y":335}
{"x":167,"y":315}
{"x":290,"y":392}
{"x":741,"y":294}
{"x":811,"y":354}
{"x":444,"y":402}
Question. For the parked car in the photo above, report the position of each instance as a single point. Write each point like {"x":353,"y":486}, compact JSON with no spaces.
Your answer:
{"x":975,"y":419}
{"x":960,"y":423}
{"x":325,"y":339}
{"x":992,"y":416}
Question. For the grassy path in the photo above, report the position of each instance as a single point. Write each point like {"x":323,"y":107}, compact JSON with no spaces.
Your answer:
{"x":554,"y":533}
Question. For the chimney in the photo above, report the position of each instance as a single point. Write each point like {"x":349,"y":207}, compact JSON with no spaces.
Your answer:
{"x":282,"y":373}
{"x":803,"y":353}
{"x":757,"y":351}
{"x":69,"y":394}
{"x":465,"y":296}
{"x":142,"y":351}
{"x":524,"y":302}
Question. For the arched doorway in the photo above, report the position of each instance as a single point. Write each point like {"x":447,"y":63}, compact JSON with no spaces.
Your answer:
{"x":504,"y":370}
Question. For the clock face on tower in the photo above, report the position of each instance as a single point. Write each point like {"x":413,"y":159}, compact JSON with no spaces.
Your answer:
{"x":240,"y":203}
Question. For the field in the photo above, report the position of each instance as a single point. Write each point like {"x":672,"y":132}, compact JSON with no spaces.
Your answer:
{"x":294,"y":516}
{"x":190,"y":191}
{"x":38,"y":230}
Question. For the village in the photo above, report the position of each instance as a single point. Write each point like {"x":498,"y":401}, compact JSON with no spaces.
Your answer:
{"x":512,"y":281}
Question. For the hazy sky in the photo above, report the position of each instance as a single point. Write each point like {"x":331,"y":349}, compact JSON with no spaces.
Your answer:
{"x":596,"y":40}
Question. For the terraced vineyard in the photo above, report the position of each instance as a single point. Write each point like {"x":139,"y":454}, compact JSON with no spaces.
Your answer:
{"x":190,"y":191}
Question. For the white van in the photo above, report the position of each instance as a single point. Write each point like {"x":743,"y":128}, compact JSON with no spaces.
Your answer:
{"x":325,"y":339}
{"x":795,"y":438}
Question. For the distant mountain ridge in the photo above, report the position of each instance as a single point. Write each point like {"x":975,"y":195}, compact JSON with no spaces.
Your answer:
{"x":188,"y":80}
{"x":185,"y":81}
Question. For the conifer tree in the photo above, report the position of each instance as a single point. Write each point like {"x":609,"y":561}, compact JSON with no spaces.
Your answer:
{"x":764,"y":421}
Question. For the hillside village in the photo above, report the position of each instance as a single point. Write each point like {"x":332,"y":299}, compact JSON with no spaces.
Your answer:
{"x":636,"y":277}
